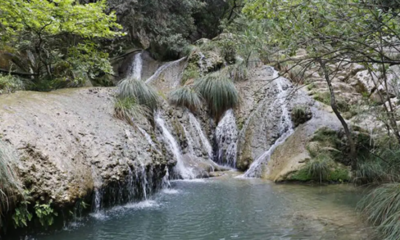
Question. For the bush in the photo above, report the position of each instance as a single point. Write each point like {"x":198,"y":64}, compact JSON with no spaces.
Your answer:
{"x":382,"y":207}
{"x":219,"y":92}
{"x":9,"y":84}
{"x":138,"y":90}
{"x":185,"y":97}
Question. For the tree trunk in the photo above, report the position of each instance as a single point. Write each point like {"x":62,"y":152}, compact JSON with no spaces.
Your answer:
{"x":352,"y":145}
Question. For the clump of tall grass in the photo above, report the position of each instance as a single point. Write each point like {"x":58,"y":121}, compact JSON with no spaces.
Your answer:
{"x":185,"y":97}
{"x":138,"y":90}
{"x":320,"y":167}
{"x":128,"y":109}
{"x":382,"y":207}
{"x":381,"y":167}
{"x":10,"y":187}
{"x":219,"y":92}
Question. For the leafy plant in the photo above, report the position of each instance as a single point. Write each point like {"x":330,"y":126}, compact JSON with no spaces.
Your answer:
{"x":22,"y":216}
{"x":9,"y":84}
{"x":219,"y":93}
{"x":138,"y":90}
{"x":45,"y":213}
{"x":185,"y":97}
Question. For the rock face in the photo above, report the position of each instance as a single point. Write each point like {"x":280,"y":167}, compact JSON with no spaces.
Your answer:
{"x":70,"y":144}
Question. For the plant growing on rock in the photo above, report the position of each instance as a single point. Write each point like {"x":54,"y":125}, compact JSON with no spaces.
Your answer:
{"x":219,"y":93}
{"x":138,"y":90}
{"x":185,"y":97}
{"x":128,"y":109}
{"x":10,"y":188}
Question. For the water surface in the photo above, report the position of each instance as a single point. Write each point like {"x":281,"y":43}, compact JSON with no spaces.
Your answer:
{"x":229,"y":209}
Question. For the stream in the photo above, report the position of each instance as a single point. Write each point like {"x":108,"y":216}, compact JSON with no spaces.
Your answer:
{"x":228,"y":208}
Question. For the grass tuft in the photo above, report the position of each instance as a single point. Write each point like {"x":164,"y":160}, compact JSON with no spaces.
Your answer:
{"x":185,"y":97}
{"x":10,"y":187}
{"x":382,"y":207}
{"x":128,"y":109}
{"x":219,"y":93}
{"x":139,"y":90}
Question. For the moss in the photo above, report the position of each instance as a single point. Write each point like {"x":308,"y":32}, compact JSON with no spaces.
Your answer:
{"x":192,"y":71}
{"x":339,"y":175}
{"x":302,"y":175}
{"x":323,"y":97}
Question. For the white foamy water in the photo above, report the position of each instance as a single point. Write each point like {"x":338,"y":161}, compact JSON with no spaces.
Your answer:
{"x":170,"y":191}
{"x":163,"y":68}
{"x":180,"y":168}
{"x":137,"y":66}
{"x":206,"y":144}
{"x":226,"y":135}
{"x":285,"y":130}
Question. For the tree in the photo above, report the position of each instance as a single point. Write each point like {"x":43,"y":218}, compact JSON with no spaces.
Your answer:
{"x":333,"y":31}
{"x":58,"y":39}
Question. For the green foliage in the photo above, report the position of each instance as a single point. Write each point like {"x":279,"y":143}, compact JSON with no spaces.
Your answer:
{"x":219,"y":93}
{"x":322,"y":168}
{"x":319,"y":168}
{"x":128,"y":109}
{"x":237,"y":72}
{"x":58,"y":40}
{"x":138,"y":90}
{"x":381,"y":167}
{"x":45,"y":213}
{"x":21,"y":215}
{"x":382,"y":207}
{"x":9,"y":84}
{"x":185,"y":97}
{"x":166,"y":25}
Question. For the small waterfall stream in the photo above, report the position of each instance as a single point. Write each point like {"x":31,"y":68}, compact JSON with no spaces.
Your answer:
{"x":148,"y":138}
{"x":163,"y":68}
{"x":285,"y":130}
{"x":226,"y":138}
{"x":180,"y":168}
{"x":196,"y":125}
{"x":137,"y":66}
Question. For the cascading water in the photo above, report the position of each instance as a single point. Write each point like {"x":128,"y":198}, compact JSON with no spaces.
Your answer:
{"x":226,"y":135}
{"x":163,"y":68}
{"x":148,"y":138}
{"x":285,"y":130}
{"x":180,"y":169}
{"x":137,"y":65}
{"x":196,"y":125}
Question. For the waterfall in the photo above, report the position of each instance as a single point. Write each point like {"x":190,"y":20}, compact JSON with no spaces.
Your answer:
{"x":285,"y":130}
{"x":180,"y":169}
{"x":190,"y":141}
{"x":196,"y":125}
{"x":163,"y":68}
{"x":148,"y":138}
{"x":137,"y":65}
{"x":226,"y":137}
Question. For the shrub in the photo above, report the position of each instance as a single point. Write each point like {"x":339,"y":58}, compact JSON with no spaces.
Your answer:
{"x":185,"y":97}
{"x":9,"y":84}
{"x":219,"y":93}
{"x":382,"y":207}
{"x":139,"y":90}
